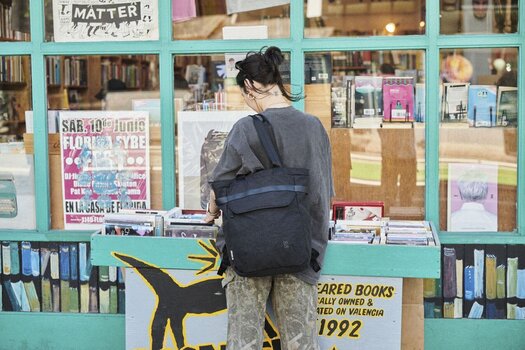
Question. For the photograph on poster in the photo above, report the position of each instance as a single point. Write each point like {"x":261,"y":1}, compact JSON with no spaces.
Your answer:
{"x":105,"y":164}
{"x":201,"y":137}
{"x":472,"y":197}
{"x":100,"y":20}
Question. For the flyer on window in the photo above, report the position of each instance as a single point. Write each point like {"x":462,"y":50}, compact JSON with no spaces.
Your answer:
{"x":105,"y":165}
{"x":102,"y":20}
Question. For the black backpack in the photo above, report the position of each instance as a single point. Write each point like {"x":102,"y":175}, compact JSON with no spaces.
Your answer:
{"x":266,"y":219}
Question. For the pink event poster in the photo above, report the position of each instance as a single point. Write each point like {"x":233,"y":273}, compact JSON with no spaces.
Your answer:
{"x":398,"y":99}
{"x":105,"y":165}
{"x":472,"y":197}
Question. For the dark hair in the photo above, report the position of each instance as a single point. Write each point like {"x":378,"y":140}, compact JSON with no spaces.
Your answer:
{"x":263,"y":67}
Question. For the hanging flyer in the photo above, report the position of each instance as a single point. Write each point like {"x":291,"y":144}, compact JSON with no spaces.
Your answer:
{"x":105,"y":165}
{"x":101,"y":20}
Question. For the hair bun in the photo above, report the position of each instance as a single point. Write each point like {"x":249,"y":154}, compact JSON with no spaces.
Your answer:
{"x":274,"y":55}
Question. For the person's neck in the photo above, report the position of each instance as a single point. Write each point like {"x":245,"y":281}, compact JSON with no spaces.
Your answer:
{"x":273,"y":98}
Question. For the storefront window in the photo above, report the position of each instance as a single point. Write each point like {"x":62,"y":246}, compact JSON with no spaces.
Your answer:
{"x":372,"y":104}
{"x":478,"y":16}
{"x":478,"y":139}
{"x":104,"y":136}
{"x":363,"y":18}
{"x":14,"y":20}
{"x":227,"y":19}
{"x":17,"y":189}
{"x":208,"y":102}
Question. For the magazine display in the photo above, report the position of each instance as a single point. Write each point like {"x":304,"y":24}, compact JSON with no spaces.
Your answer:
{"x":482,"y":105}
{"x":398,"y":99}
{"x":507,"y":106}
{"x":455,"y":102}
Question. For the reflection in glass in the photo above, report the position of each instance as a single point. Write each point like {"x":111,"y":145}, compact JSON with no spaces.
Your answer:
{"x":208,"y":102}
{"x":478,"y":163}
{"x":113,"y":83}
{"x":478,"y":16}
{"x":17,"y":189}
{"x":372,"y":103}
{"x":363,"y":18}
{"x":230,"y":19}
{"x":14,"y":20}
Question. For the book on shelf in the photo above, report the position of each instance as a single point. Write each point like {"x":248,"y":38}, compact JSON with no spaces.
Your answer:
{"x":419,"y":104}
{"x":452,"y":281}
{"x":454,"y":102}
{"x":515,"y":281}
{"x":407,"y":233}
{"x":398,"y":99}
{"x":507,"y":106}
{"x":495,"y":270}
{"x":30,"y":272}
{"x":474,"y":275}
{"x":368,"y":101}
{"x":481,"y":105}
{"x":339,"y":101}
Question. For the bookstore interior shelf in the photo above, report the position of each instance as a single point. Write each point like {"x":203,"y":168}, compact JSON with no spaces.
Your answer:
{"x":341,"y":258}
{"x":12,"y":85}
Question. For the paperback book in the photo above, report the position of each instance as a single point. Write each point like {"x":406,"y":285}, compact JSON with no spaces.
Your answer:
{"x":507,"y":106}
{"x":398,"y":99}
{"x":368,"y":101}
{"x":455,"y":102}
{"x":482,"y":105}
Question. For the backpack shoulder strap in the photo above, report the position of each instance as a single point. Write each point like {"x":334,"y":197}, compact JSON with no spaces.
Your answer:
{"x":262,"y":126}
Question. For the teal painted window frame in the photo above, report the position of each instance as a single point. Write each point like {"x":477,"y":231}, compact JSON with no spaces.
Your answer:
{"x":431,"y":42}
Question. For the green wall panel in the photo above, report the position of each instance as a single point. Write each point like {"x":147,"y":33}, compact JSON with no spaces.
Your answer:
{"x":61,"y":331}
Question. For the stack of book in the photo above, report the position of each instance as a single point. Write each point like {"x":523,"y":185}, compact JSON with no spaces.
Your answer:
{"x":190,"y":225}
{"x":357,"y":232}
{"x":407,"y":233}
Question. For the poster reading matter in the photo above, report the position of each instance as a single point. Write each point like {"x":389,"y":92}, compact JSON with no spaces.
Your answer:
{"x":101,"y":20}
{"x":105,"y":165}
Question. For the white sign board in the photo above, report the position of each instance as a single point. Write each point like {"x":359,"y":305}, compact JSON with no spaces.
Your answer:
{"x":102,"y":20}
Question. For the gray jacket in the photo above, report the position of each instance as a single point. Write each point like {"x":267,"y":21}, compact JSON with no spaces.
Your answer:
{"x":302,"y":143}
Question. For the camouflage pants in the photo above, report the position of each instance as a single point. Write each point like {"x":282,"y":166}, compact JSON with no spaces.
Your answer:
{"x":294,"y":303}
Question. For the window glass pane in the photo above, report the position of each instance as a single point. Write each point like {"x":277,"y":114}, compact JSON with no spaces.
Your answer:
{"x":478,"y":145}
{"x":109,"y":136}
{"x":208,"y":102}
{"x":363,"y":18}
{"x":14,"y":20}
{"x":478,"y":16}
{"x":372,"y":104}
{"x":230,"y":19}
{"x":17,"y":188}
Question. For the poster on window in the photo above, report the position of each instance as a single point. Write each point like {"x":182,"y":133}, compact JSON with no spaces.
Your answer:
{"x":105,"y":165}
{"x":103,"y":20}
{"x":201,"y":137}
{"x":472,"y":197}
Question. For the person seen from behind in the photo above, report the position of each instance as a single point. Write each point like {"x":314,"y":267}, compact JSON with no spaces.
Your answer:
{"x":302,"y":142}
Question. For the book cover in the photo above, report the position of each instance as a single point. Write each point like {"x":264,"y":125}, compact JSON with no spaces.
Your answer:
{"x":398,"y":99}
{"x":113,"y":290}
{"x":30,"y":257}
{"x":74,"y":302}
{"x":371,"y":210}
{"x":339,"y":102}
{"x":481,"y":105}
{"x":45,"y":275}
{"x":452,"y":280}
{"x":368,"y":101}
{"x":103,"y":289}
{"x":472,"y":197}
{"x":54,"y":262}
{"x":93,"y":290}
{"x":474,"y":277}
{"x":495,"y":273}
{"x":317,"y":68}
{"x":84,"y":273}
{"x":64,"y":276}
{"x":121,"y":280}
{"x":455,"y":102}
{"x":507,"y":106}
